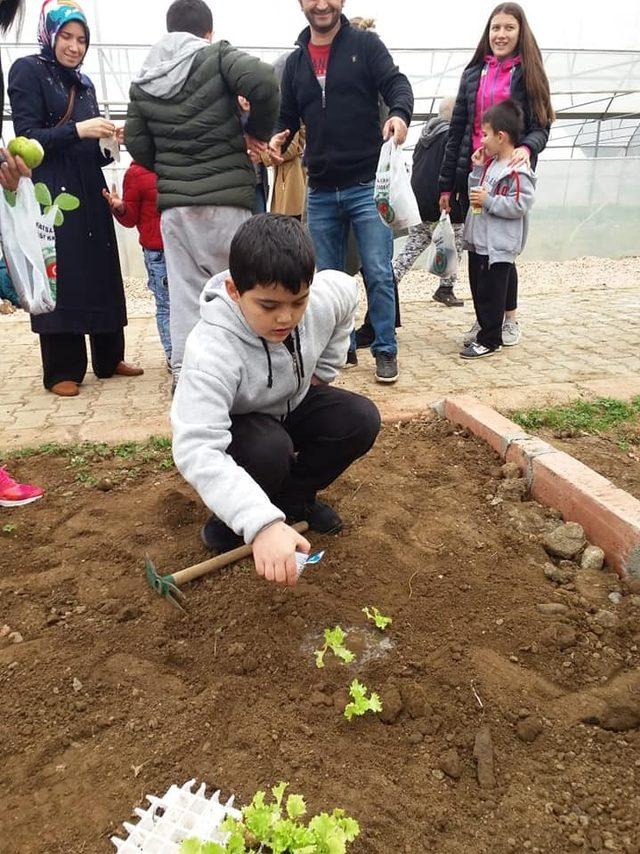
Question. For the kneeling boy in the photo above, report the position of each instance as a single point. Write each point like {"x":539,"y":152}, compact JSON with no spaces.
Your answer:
{"x":257,"y":429}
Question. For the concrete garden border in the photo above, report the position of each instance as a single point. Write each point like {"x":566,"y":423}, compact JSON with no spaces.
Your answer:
{"x":609,"y":515}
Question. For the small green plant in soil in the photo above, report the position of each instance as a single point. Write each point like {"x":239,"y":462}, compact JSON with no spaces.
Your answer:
{"x":361,"y":704}
{"x":9,"y":528}
{"x":594,"y":417}
{"x":334,"y":641}
{"x":381,"y":622}
{"x":278,"y":827}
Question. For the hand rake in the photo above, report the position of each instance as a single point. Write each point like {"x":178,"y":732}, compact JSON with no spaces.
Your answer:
{"x":168,"y":586}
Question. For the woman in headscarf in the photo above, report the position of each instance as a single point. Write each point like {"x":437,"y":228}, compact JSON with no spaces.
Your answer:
{"x":54,"y":103}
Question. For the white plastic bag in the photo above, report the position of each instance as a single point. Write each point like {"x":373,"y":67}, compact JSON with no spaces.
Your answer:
{"x":442,"y":256}
{"x":393,"y":195}
{"x":29,"y":248}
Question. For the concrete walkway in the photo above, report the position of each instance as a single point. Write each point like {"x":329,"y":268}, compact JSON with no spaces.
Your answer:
{"x":580,"y":341}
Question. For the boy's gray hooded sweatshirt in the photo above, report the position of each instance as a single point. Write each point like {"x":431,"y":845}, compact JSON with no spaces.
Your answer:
{"x":229,"y":370}
{"x":168,"y":64}
{"x":500,"y":231}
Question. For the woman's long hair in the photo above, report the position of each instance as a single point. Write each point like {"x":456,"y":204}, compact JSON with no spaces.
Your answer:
{"x":536,"y":82}
{"x":9,"y":11}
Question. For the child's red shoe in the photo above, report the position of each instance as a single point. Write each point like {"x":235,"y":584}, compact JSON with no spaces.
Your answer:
{"x":14,"y":494}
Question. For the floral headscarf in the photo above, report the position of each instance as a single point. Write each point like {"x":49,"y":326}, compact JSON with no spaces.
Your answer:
{"x":54,"y":15}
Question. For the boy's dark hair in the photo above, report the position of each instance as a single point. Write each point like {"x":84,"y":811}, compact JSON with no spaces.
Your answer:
{"x":189,"y":16}
{"x":271,"y":249}
{"x":507,"y":116}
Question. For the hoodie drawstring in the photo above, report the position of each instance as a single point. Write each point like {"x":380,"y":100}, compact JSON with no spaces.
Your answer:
{"x":270,"y":376}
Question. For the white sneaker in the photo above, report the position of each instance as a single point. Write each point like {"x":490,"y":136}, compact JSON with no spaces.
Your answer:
{"x":510,"y":332}
{"x":470,"y":336}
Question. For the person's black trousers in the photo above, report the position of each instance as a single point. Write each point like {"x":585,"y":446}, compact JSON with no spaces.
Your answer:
{"x":293,"y":459}
{"x":64,"y":356}
{"x":489,"y":289}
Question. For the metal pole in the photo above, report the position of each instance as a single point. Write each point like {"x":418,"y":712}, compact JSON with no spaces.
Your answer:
{"x":103,"y":75}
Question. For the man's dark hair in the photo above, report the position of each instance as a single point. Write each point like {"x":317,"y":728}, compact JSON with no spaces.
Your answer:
{"x":189,"y":16}
{"x":271,"y":249}
{"x":507,"y":116}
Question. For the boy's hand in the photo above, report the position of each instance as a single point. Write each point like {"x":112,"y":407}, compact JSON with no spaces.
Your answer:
{"x":275,"y":146}
{"x":478,"y":196}
{"x":445,"y":202}
{"x":274,"y":553}
{"x":478,"y":157}
{"x":115,"y":202}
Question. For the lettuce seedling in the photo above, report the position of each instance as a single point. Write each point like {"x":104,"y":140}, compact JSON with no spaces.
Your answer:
{"x":277,"y":827}
{"x":334,"y":640}
{"x":379,"y":619}
{"x":360,"y":703}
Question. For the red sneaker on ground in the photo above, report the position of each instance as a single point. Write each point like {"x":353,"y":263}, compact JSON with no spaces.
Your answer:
{"x":14,"y":494}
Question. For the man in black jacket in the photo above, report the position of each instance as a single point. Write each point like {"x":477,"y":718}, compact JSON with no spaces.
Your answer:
{"x":331,"y":83}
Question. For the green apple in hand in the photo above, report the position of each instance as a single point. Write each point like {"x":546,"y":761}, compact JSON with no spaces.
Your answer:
{"x":29,"y":149}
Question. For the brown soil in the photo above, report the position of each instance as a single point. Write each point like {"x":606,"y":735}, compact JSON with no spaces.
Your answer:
{"x":229,"y":693}
{"x":615,"y":455}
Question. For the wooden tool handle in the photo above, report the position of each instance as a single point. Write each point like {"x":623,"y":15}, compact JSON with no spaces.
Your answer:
{"x":219,"y":561}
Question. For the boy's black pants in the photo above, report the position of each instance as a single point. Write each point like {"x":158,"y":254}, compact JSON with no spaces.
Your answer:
{"x":490,"y":288}
{"x":293,"y":459}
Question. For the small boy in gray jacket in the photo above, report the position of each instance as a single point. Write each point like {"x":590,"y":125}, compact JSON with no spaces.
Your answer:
{"x":257,"y":428}
{"x":495,"y":230}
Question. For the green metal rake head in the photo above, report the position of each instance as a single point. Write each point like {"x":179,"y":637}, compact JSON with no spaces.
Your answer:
{"x":163,"y":585}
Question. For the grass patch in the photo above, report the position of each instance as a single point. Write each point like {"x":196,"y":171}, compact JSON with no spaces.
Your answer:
{"x":596,"y":416}
{"x":127,"y":457}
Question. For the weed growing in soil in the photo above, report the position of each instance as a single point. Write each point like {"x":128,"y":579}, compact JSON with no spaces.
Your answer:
{"x":9,"y":528}
{"x":361,"y":704}
{"x":381,"y":622}
{"x":334,"y":641}
{"x":278,"y":828}
{"x":595,"y":416}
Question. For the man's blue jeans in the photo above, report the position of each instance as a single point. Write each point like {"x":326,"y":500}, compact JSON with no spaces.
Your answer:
{"x":157,"y":271}
{"x":330,"y":214}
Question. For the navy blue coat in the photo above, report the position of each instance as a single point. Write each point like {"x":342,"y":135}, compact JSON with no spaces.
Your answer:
{"x":90,"y":292}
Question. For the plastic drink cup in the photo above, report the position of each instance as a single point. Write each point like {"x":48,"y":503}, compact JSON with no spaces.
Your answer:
{"x":475,"y":181}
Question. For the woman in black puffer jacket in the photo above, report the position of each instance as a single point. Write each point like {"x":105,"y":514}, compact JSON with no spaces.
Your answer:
{"x":506,"y":64}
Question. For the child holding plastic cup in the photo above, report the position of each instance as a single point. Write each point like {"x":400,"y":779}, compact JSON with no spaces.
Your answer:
{"x":502,"y":193}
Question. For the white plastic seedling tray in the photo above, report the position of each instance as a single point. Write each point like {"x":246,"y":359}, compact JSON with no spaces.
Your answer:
{"x":180,"y":814}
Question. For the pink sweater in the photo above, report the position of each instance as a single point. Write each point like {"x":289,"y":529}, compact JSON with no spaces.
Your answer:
{"x":494,"y":87}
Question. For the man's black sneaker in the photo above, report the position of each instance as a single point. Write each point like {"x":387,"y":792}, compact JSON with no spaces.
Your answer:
{"x":386,"y":367}
{"x":352,"y":359}
{"x":218,"y":537}
{"x":364,"y":336}
{"x":447,"y":297}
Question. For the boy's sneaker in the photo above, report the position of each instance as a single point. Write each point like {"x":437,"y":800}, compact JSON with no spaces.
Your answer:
{"x":13,"y":494}
{"x":510,"y":333}
{"x":364,"y":336}
{"x":352,"y":359}
{"x":447,"y":297}
{"x":218,"y":537}
{"x":321,"y":517}
{"x":386,"y":367}
{"x":477,"y":351}
{"x":470,"y":335}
